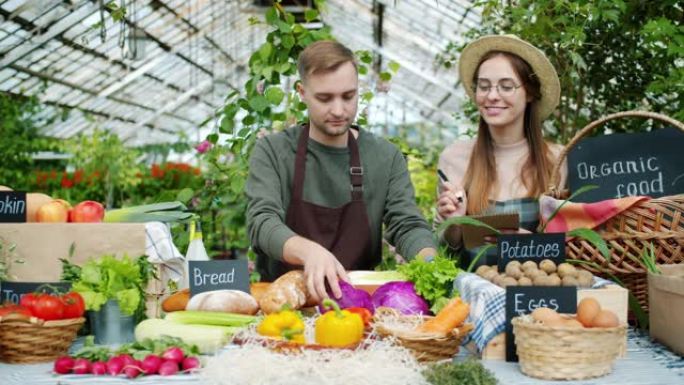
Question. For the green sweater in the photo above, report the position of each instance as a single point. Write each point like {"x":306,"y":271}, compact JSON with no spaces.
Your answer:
{"x":388,"y":192}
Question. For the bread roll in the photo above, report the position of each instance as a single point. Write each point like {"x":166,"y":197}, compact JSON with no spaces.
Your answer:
{"x":229,"y":301}
{"x":289,"y":289}
{"x":177,"y":301}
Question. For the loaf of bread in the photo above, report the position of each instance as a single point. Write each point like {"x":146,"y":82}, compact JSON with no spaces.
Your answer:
{"x":177,"y":301}
{"x":229,"y":301}
{"x":289,"y":289}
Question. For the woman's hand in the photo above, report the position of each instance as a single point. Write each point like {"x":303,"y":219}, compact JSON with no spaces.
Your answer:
{"x":452,"y":201}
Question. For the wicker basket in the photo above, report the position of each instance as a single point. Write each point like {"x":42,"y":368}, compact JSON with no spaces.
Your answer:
{"x":29,"y":341}
{"x":425,"y":347}
{"x":566,"y":352}
{"x":658,"y":222}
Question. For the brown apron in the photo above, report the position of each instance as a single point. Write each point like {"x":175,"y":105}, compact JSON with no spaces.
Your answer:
{"x":344,"y":230}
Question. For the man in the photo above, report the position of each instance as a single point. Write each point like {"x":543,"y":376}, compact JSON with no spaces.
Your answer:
{"x":320,"y":193}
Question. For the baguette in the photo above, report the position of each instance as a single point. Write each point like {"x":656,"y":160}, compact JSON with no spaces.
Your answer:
{"x":228,"y":301}
{"x":177,"y":301}
{"x":289,"y":289}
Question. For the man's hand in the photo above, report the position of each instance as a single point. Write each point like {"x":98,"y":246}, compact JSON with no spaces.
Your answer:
{"x":319,"y":265}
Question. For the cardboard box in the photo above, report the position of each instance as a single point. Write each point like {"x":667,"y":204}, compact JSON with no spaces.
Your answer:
{"x":41,"y":245}
{"x":610,"y":297}
{"x":666,"y":305}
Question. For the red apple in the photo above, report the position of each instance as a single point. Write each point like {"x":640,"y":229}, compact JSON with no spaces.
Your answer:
{"x":52,"y":212}
{"x":87,"y":211}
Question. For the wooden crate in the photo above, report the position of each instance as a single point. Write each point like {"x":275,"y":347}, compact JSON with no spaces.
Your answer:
{"x":611,"y":297}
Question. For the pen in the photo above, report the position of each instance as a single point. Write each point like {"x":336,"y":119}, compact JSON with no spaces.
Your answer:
{"x":444,"y":179}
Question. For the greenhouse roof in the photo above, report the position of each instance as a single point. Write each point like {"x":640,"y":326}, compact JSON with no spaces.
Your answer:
{"x":168,"y":66}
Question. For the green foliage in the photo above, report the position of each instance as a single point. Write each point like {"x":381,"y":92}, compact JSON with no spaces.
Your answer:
{"x":104,"y":154}
{"x":456,"y":373}
{"x":433,"y":280}
{"x":110,"y":278}
{"x":19,"y":128}
{"x":611,"y":55}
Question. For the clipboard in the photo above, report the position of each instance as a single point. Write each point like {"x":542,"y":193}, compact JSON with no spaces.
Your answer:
{"x":474,"y":236}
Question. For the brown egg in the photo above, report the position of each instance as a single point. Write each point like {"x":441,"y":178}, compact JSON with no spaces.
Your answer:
{"x":605,"y":319}
{"x":545,"y":315}
{"x":573,"y":323}
{"x":555,"y":322}
{"x":587,"y":309}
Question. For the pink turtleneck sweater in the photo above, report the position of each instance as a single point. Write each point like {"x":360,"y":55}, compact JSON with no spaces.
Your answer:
{"x":510,"y":158}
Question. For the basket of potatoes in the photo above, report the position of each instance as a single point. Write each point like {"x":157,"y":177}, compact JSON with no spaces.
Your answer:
{"x":555,"y":346}
{"x":529,"y":273}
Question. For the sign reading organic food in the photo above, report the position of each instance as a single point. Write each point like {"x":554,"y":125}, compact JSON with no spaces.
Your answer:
{"x":530,"y":247}
{"x":12,"y":206}
{"x":522,"y":300}
{"x":218,"y":275}
{"x":647,"y":163}
{"x":13,"y":291}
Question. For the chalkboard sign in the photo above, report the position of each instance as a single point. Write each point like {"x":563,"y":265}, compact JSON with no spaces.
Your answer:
{"x":12,"y":206}
{"x":647,"y":163}
{"x":12,"y":291}
{"x":530,"y":247}
{"x":218,"y":275}
{"x":524,"y":299}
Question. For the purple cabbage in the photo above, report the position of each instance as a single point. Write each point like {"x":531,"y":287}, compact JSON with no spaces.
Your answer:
{"x":351,"y":297}
{"x":402,"y":296}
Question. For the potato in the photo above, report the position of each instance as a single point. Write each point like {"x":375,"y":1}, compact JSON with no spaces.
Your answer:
{"x":541,"y":280}
{"x":513,"y":271}
{"x":482,"y":269}
{"x":569,"y":280}
{"x":490,"y":274}
{"x":524,"y":281}
{"x":554,"y":280}
{"x":509,"y":281}
{"x":566,"y":269}
{"x":529,"y":265}
{"x":548,"y":266}
{"x":585,"y":278}
{"x":514,"y":263}
{"x":498,"y":279}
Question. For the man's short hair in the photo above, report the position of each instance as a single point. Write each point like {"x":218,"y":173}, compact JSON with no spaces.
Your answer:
{"x":323,"y":56}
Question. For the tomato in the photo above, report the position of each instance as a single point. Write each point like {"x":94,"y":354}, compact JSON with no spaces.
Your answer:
{"x":74,"y":306}
{"x":48,"y":307}
{"x":14,"y":309}
{"x":27,"y":300}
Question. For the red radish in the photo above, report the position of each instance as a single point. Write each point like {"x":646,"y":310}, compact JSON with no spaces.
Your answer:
{"x":174,"y":354}
{"x":191,"y":364}
{"x":151,"y":363}
{"x":168,"y":368}
{"x":98,"y":368}
{"x":127,"y":359}
{"x":132,"y":370}
{"x":63,"y":365}
{"x":81,"y":366}
{"x":115,"y":366}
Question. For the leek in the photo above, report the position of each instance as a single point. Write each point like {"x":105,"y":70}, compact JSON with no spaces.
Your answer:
{"x":156,"y":212}
{"x":195,"y":317}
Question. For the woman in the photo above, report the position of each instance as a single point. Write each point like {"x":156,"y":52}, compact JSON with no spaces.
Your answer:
{"x":508,"y":165}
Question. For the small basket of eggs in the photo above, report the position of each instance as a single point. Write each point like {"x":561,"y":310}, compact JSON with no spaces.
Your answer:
{"x":555,"y":346}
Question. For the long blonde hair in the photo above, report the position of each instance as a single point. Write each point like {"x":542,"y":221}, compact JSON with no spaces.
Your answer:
{"x":480,"y":179}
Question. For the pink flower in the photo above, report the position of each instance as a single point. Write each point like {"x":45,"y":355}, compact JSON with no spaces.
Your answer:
{"x":260,"y":87}
{"x":203,"y":147}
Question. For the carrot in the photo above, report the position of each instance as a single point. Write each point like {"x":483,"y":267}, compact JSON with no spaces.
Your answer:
{"x":452,"y":315}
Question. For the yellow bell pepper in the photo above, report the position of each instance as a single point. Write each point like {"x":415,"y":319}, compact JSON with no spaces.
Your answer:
{"x":285,"y":324}
{"x":337,"y":327}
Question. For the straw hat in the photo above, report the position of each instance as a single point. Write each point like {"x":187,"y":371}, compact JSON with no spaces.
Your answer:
{"x":542,"y":67}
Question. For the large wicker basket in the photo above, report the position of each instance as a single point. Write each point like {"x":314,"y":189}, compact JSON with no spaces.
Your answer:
{"x":425,"y":348}
{"x":30,"y":341}
{"x":658,"y":222}
{"x":566,"y":352}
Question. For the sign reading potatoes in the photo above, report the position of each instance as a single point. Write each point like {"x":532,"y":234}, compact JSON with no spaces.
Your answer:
{"x":646,"y":163}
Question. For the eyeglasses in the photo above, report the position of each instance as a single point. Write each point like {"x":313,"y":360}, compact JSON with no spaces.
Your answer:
{"x":506,"y":88}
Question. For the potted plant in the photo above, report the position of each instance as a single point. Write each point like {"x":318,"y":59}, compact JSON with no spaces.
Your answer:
{"x":114,"y":293}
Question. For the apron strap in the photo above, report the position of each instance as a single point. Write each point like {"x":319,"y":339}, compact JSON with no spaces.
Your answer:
{"x":355,"y":169}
